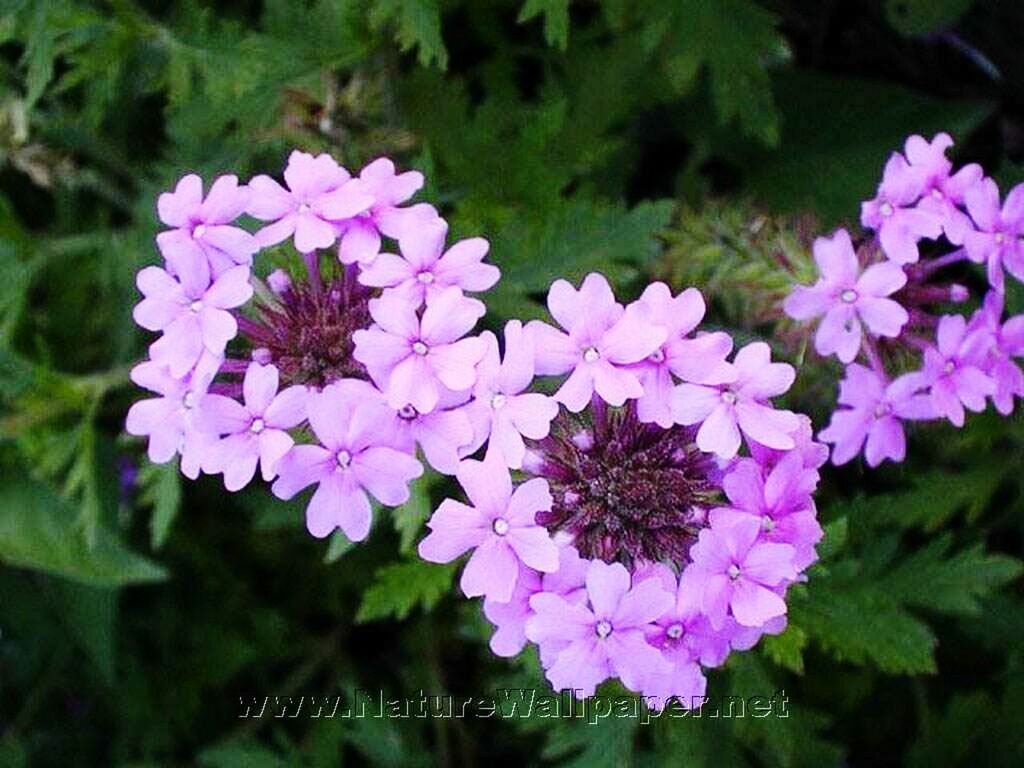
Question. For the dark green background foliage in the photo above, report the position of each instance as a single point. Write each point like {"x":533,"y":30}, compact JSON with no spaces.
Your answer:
{"x":692,"y":140}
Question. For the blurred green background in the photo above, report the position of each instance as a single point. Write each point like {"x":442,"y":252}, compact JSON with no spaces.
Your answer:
{"x":700,"y":141}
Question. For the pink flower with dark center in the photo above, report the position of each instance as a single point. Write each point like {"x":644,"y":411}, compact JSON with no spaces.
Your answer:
{"x":724,"y":410}
{"x":601,"y":343}
{"x":604,"y":637}
{"x":256,"y":431}
{"x":413,"y":358}
{"x":737,"y":573}
{"x":874,"y":413}
{"x":202,"y":228}
{"x":425,"y":269}
{"x":899,"y":225}
{"x":996,"y":239}
{"x":192,"y":313}
{"x":780,"y":500}
{"x":168,"y":420}
{"x":502,"y":412}
{"x":942,"y":191}
{"x":952,"y":369}
{"x":699,"y":359}
{"x":361,"y":230}
{"x":848,"y":299}
{"x":354,"y":460}
{"x":300,"y":210}
{"x":499,"y":528}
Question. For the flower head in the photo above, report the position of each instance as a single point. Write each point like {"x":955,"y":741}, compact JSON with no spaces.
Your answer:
{"x":996,"y":239}
{"x":952,"y":370}
{"x":900,"y":225}
{"x":848,"y":299}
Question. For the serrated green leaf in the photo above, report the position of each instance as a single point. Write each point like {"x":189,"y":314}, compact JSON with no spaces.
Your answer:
{"x":400,"y":587}
{"x":787,"y":649}
{"x":417,"y":25}
{"x":38,"y":530}
{"x":411,"y":516}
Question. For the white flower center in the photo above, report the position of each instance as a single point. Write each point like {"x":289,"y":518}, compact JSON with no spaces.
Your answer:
{"x":674,"y":632}
{"x":729,"y":397}
{"x":937,"y":193}
{"x":189,"y":400}
{"x":603,"y":628}
{"x":849,"y":296}
{"x":196,"y":306}
{"x":344,"y":459}
{"x":657,"y":356}
{"x":500,"y":526}
{"x":886,"y":209}
{"x":1000,"y":238}
{"x":882,"y":409}
{"x":257,"y":426}
{"x":425,"y":277}
{"x":949,"y":367}
{"x":498,"y":401}
{"x":734,"y":571}
{"x":420,"y":348}
{"x":591,"y":355}
{"x":304,"y":208}
{"x":767,"y":524}
{"x":408,"y":412}
{"x":199,"y":231}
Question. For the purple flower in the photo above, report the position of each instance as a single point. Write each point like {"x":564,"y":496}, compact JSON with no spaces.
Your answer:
{"x":414,"y":358}
{"x":361,"y":229}
{"x":509,"y":618}
{"x":780,"y":501}
{"x":814,"y":453}
{"x":168,"y":420}
{"x":192,"y":313}
{"x":848,"y":299}
{"x":202,"y":227}
{"x":441,"y":434}
{"x":899,"y":225}
{"x":499,"y":527}
{"x":951,"y":369}
{"x":299,"y":210}
{"x":502,"y":412}
{"x":603,"y":340}
{"x":996,"y":241}
{"x":942,"y":191}
{"x":875,"y":412}
{"x":354,"y":459}
{"x":1007,"y":342}
{"x":737,"y":573}
{"x":256,"y":431}
{"x":425,"y":269}
{"x":724,"y":410}
{"x":606,"y":636}
{"x":700,"y":360}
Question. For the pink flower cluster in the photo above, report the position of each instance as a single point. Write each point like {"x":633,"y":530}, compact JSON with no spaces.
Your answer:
{"x":318,"y":381}
{"x":640,"y":544}
{"x":884,"y":302}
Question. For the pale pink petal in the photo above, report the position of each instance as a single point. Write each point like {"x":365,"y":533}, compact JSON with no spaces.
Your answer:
{"x":491,"y":571}
{"x":386,"y":473}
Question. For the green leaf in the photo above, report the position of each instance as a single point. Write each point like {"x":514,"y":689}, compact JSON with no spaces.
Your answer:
{"x":40,"y":52}
{"x":38,"y":530}
{"x":929,"y":579}
{"x":576,"y":237}
{"x":400,"y":587}
{"x":90,"y":616}
{"x":241,"y":751}
{"x":339,"y":545}
{"x":787,"y":649}
{"x":556,"y":19}
{"x":418,"y":25}
{"x":834,"y":540}
{"x":608,"y":742}
{"x":161,"y":489}
{"x":836,"y":135}
{"x":859,"y":623}
{"x":411,"y":516}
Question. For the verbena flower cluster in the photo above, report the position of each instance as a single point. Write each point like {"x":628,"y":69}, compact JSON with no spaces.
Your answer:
{"x":331,"y":378}
{"x":885,"y":303}
{"x":639,"y":544}
{"x":641,"y":522}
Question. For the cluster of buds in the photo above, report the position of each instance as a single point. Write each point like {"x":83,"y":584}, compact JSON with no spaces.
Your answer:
{"x":885,"y":302}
